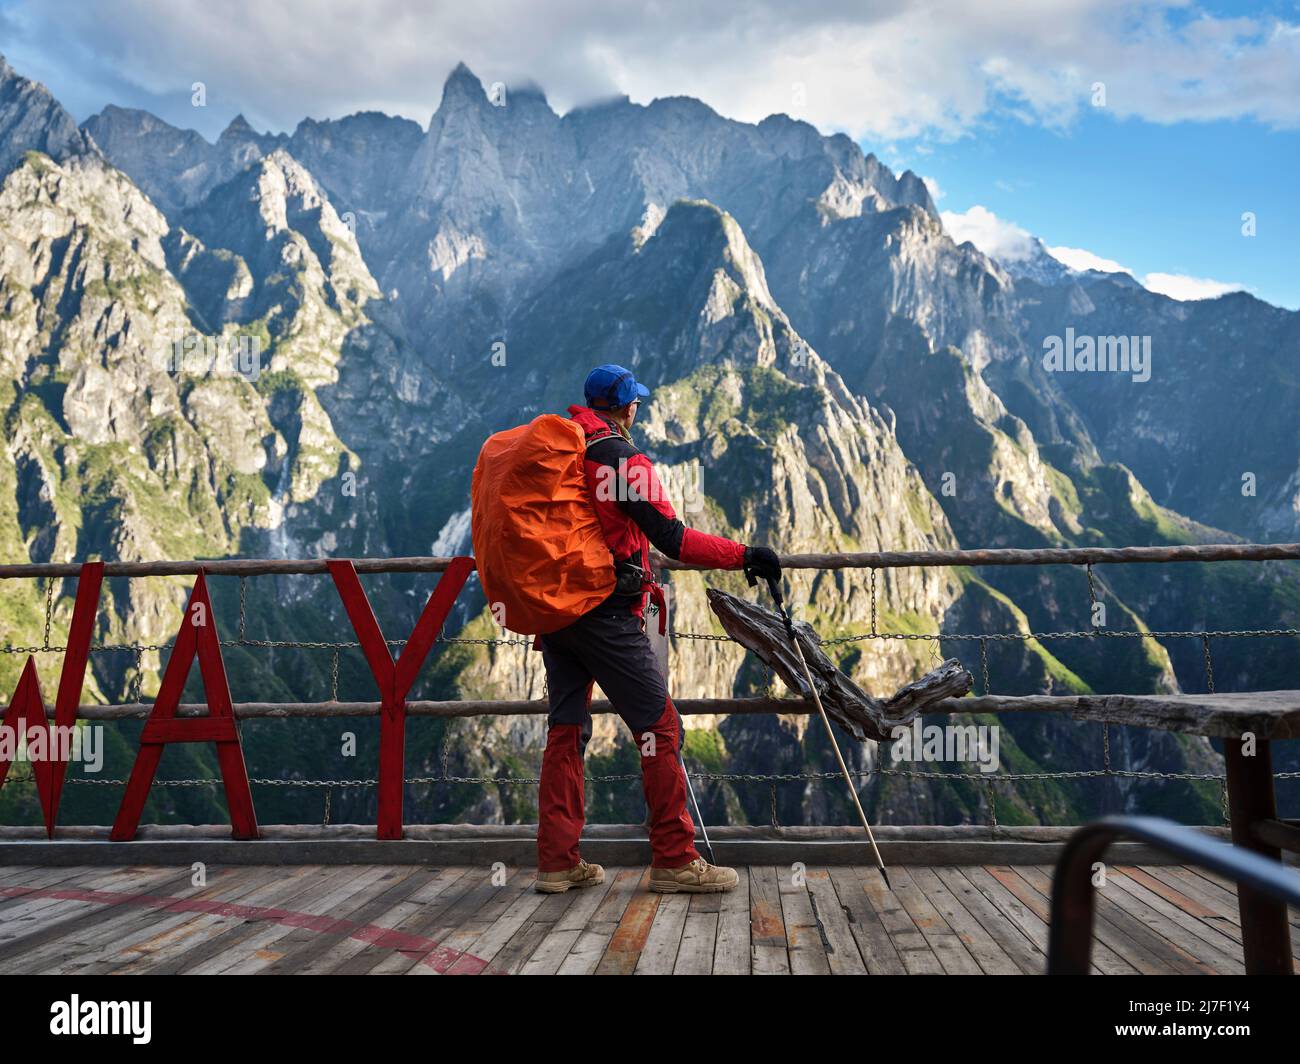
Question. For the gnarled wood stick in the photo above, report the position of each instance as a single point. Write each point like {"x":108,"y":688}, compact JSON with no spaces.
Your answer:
{"x":853,"y":709}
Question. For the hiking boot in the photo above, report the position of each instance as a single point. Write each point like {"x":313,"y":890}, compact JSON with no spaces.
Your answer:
{"x":580,"y":875}
{"x":698,"y":877}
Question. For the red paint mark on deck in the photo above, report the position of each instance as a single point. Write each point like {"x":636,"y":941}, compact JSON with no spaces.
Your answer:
{"x":438,"y":957}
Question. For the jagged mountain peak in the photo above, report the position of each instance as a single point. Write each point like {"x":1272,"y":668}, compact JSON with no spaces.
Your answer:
{"x":462,"y":87}
{"x":238,"y":127}
{"x":697,"y":230}
{"x":31,"y":119}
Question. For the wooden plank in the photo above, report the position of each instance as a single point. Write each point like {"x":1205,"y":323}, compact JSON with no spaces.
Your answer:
{"x":332,"y":898}
{"x":841,"y":949}
{"x":699,"y":938}
{"x":1135,"y":952}
{"x":1170,"y":894}
{"x":438,"y":912}
{"x":170,"y":945}
{"x":562,"y":937}
{"x":497,"y":936}
{"x":804,"y":933}
{"x":57,"y":940}
{"x":913,"y":949}
{"x":461,"y":943}
{"x":659,"y":954}
{"x":1223,"y":904}
{"x":769,"y":948}
{"x":1187,"y":932}
{"x":873,"y":941}
{"x":1149,"y":952}
{"x":1164,"y":943}
{"x":212,"y":934}
{"x":349,"y":914}
{"x":1228,"y":887}
{"x":943,"y":940}
{"x":40,"y":879}
{"x":103,"y":937}
{"x":346,"y":958}
{"x":591,"y":944}
{"x":524,"y":943}
{"x":629,"y":937}
{"x":1031,"y":918}
{"x":22,"y":914}
{"x":1011,"y":938}
{"x":732,"y":953}
{"x":978,"y":942}
{"x":316,"y":952}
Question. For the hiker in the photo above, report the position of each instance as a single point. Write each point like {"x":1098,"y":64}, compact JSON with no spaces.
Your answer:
{"x":608,"y":645}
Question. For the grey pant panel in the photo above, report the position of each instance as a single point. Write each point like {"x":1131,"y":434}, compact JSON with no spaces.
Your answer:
{"x":612,"y":650}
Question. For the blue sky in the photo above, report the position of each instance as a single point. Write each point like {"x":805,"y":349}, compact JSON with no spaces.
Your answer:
{"x":1153,"y":198}
{"x":990,"y":100}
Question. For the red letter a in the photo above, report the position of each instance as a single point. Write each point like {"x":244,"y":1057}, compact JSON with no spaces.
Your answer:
{"x":197,"y":635}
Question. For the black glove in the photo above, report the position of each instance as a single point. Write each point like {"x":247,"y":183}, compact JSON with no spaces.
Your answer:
{"x":763,"y":563}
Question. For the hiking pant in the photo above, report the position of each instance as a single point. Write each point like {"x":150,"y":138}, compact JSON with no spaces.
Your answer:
{"x":611,"y":650}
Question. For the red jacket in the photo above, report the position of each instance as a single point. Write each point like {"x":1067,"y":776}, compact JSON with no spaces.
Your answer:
{"x":634,"y":510}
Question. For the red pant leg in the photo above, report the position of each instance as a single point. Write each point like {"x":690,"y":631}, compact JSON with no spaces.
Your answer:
{"x":561,"y":808}
{"x":672,"y":832}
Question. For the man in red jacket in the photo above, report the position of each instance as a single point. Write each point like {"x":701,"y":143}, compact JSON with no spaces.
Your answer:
{"x":608,"y":646}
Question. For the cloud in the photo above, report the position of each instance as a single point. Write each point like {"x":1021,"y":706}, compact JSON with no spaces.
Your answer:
{"x":996,"y":237}
{"x":936,"y":193}
{"x":878,"y":69}
{"x":1081,"y":259}
{"x":1008,"y":242}
{"x":1180,"y":286}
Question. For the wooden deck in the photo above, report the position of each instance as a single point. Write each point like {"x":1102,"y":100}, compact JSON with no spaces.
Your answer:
{"x":418,"y":920}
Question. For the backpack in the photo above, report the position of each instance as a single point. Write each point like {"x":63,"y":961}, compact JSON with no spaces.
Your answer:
{"x":541,"y":554}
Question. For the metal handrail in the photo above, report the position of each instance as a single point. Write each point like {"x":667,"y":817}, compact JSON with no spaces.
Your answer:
{"x":1074,"y":900}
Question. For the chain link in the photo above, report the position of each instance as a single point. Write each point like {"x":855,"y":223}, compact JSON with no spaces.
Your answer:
{"x":49,"y":612}
{"x":874,"y":629}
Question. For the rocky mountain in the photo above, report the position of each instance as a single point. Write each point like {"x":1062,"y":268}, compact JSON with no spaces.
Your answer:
{"x":294,"y":344}
{"x":33,"y":120}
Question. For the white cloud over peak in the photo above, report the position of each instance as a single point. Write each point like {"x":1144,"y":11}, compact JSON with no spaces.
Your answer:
{"x":1082,"y":259}
{"x":1009,"y":243}
{"x":996,"y":237}
{"x":881,"y":69}
{"x":1180,"y":286}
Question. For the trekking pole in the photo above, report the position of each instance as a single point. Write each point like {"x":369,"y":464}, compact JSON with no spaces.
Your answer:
{"x":775,"y":588}
{"x":690,"y":787}
{"x":695,"y":801}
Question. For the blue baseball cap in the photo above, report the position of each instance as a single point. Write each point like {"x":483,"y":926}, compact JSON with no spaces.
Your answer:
{"x":609,"y":387}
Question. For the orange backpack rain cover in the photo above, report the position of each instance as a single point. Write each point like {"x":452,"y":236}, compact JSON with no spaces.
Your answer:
{"x":541,"y":555}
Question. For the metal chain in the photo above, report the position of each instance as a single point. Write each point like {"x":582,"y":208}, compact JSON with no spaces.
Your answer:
{"x":873,"y":602}
{"x":49,"y":612}
{"x":1254,"y":633}
{"x":137,"y":678}
{"x":138,"y":649}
